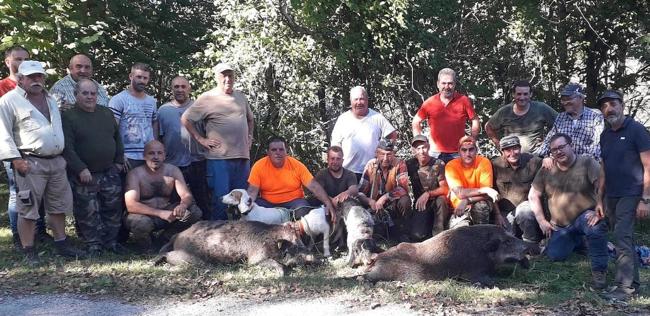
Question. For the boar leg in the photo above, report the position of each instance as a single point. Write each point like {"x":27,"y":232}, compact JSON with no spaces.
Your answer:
{"x":181,"y":257}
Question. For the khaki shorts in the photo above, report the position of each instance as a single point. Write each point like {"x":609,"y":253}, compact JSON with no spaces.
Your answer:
{"x":45,"y":182}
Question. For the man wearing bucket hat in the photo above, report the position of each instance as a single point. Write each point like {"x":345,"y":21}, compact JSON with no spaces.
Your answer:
{"x":514,"y":172}
{"x":32,"y":139}
{"x":625,"y":191}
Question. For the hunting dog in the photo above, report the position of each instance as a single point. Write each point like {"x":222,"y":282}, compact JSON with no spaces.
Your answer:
{"x":313,"y":224}
{"x":359,"y":225}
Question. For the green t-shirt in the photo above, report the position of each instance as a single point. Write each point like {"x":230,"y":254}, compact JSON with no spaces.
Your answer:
{"x":531,"y":128}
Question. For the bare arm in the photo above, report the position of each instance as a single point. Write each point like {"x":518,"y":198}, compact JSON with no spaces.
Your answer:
{"x":476,"y":127}
{"x":181,"y":188}
{"x":600,"y":192}
{"x":535,"y":200}
{"x":643,"y":210}
{"x":253,"y":191}
{"x":416,"y":125}
{"x":205,"y":142}
{"x":492,"y":134}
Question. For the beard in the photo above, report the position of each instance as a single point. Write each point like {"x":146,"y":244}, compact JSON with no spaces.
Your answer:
{"x":138,"y":86}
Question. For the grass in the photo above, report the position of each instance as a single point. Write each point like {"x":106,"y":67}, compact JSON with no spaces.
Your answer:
{"x":545,"y":287}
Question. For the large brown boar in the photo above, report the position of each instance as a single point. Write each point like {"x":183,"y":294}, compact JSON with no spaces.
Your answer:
{"x":274,"y":246}
{"x":468,"y":253}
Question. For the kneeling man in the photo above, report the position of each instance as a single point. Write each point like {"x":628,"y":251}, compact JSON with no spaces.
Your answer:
{"x":148,"y":195}
{"x":571,"y":187}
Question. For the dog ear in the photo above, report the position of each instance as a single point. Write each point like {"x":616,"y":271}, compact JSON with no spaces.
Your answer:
{"x":249,"y":202}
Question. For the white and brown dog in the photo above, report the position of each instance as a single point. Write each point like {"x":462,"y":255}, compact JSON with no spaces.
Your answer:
{"x":313,"y":224}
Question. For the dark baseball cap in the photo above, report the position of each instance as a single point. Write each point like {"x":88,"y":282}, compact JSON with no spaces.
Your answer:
{"x":509,"y":141}
{"x":572,"y":89}
{"x":610,"y":94}
{"x":419,"y":138}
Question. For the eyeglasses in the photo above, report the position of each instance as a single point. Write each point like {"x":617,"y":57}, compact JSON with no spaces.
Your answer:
{"x":559,"y":148}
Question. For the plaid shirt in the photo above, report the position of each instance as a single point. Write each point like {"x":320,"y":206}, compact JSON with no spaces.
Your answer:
{"x":63,"y":92}
{"x":373,"y":183}
{"x":584,"y":131}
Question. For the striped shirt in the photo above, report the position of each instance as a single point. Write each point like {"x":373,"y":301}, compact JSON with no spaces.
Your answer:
{"x":63,"y":92}
{"x":585,"y":132}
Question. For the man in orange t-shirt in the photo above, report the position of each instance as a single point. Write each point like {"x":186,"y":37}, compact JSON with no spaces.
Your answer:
{"x":279,"y":180}
{"x":470,"y":182}
{"x":446,"y":113}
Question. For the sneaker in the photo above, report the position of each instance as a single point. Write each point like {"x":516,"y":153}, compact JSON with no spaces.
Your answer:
{"x":598,"y":280}
{"x":31,"y":256}
{"x":63,"y":248}
{"x":619,"y":294}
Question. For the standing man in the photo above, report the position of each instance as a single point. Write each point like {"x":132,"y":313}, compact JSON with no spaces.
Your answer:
{"x":446,"y":113}
{"x":135,"y":112}
{"x":32,"y":139}
{"x":183,"y":151}
{"x":384,"y":187}
{"x":149,"y":189}
{"x":95,"y":157}
{"x":470,"y":182}
{"x":514,"y":172}
{"x":584,"y":125}
{"x":529,"y":120}
{"x":80,"y":67}
{"x":427,"y":175}
{"x":228,"y":136}
{"x":359,"y":130}
{"x":625,"y":148}
{"x":13,"y":57}
{"x":571,"y":185}
{"x":338,"y":182}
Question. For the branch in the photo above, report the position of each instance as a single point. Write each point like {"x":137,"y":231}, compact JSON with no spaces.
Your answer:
{"x":591,"y":27}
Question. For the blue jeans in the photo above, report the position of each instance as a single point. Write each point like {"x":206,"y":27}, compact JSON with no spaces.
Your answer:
{"x":225,"y":175}
{"x":293,"y":204}
{"x":565,"y":240}
{"x":11,"y":204}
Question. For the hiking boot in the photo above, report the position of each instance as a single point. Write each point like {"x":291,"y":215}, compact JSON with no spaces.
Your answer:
{"x":18,"y":246}
{"x":598,"y":280}
{"x":63,"y":248}
{"x":31,"y":256}
{"x":619,"y":294}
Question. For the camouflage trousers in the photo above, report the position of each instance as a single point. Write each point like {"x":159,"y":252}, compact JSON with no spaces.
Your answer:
{"x":98,"y":207}
{"x":142,"y":227}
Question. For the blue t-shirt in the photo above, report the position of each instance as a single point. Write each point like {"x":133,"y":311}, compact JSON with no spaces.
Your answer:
{"x":180,"y":147}
{"x":620,"y":152}
{"x":135,"y":117}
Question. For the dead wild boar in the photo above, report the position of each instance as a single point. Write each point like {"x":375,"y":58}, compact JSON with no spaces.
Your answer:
{"x":273,"y":246}
{"x":468,"y":253}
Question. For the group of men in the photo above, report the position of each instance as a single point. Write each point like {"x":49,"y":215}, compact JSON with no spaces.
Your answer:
{"x":74,"y":148}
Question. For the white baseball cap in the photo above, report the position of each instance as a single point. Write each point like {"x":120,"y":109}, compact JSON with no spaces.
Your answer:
{"x":29,"y":67}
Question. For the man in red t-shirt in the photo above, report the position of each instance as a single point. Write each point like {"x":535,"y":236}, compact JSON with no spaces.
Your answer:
{"x":446,"y":113}
{"x":13,"y":57}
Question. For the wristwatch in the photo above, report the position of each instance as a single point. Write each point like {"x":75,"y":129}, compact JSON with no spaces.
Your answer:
{"x":645,"y":200}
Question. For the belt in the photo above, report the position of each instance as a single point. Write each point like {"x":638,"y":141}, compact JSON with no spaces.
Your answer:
{"x":39,"y":156}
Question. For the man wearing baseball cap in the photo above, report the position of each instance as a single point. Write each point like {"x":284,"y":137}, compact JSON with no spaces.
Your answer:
{"x":227,"y":138}
{"x":514,"y":172}
{"x":625,"y":192}
{"x":583,"y":124}
{"x":427,"y":175}
{"x":31,"y":137}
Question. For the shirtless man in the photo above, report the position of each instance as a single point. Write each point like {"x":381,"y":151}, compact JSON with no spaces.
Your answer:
{"x":148,"y":197}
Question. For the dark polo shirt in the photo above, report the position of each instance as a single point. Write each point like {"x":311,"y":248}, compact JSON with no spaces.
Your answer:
{"x":334,"y":186}
{"x":513,"y":184}
{"x":620,"y":153}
